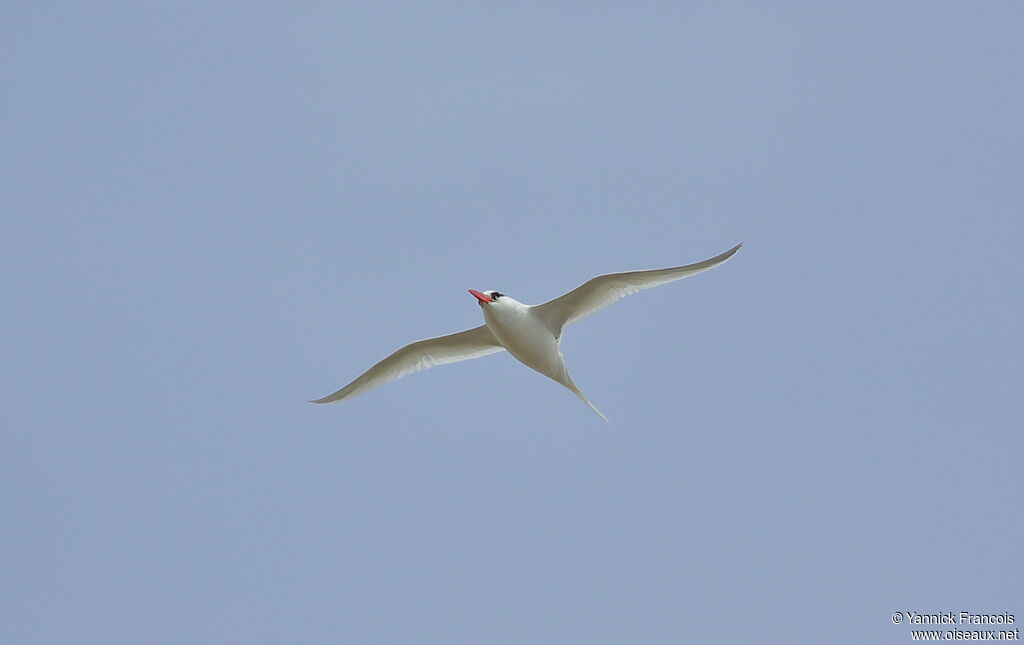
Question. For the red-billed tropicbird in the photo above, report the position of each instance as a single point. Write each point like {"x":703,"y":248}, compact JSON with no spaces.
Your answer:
{"x":531,"y":333}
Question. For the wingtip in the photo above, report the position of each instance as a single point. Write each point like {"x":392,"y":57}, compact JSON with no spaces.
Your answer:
{"x":731,"y":252}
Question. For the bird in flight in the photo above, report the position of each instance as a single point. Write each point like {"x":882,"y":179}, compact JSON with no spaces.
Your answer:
{"x":531,"y":333}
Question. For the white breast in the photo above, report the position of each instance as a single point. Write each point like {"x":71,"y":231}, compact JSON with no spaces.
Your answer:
{"x":525,"y":337}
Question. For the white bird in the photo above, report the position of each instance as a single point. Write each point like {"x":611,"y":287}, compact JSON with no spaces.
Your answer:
{"x":531,"y":333}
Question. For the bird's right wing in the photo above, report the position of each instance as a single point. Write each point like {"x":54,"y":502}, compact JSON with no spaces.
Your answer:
{"x":414,"y":357}
{"x":604,"y":290}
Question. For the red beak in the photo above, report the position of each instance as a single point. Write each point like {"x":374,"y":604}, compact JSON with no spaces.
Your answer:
{"x":482,"y":297}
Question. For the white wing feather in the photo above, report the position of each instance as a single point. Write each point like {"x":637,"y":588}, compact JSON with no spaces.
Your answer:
{"x":418,"y":356}
{"x":602,"y":291}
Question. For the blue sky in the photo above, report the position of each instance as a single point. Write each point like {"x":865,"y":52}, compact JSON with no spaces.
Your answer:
{"x":215,"y":211}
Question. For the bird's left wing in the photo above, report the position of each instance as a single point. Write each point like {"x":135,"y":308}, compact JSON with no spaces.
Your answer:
{"x":418,"y":356}
{"x":604,"y":290}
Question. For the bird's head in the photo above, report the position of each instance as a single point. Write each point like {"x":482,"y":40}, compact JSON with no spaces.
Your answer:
{"x":491,"y":298}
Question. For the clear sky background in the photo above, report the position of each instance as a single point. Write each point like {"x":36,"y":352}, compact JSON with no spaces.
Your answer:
{"x":215,"y":211}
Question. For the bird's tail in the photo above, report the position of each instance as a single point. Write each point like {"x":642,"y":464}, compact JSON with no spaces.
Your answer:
{"x":583,"y":397}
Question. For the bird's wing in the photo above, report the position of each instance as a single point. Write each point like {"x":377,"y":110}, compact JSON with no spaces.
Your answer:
{"x":414,"y":357}
{"x":604,"y":290}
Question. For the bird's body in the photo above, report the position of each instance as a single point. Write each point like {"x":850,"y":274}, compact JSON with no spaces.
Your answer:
{"x":531,"y":333}
{"x":525,"y":335}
